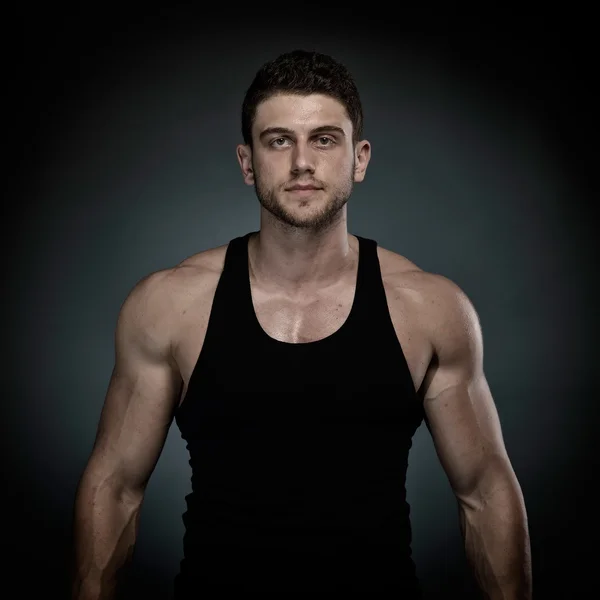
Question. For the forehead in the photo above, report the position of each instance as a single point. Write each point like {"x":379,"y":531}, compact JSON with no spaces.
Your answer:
{"x":294,"y":111}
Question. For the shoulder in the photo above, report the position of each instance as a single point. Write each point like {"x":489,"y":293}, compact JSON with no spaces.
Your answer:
{"x":441,"y":307}
{"x":155,"y":304}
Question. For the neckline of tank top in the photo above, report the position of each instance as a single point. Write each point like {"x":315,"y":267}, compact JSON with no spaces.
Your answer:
{"x":339,"y":332}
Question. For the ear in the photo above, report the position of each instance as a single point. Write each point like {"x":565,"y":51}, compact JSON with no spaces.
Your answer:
{"x":244,"y":155}
{"x":362,"y":155}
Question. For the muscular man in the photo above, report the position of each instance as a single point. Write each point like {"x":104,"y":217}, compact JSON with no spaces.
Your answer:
{"x":297,"y":362}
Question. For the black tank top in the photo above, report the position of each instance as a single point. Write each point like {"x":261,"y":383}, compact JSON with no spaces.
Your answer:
{"x":298,"y":451}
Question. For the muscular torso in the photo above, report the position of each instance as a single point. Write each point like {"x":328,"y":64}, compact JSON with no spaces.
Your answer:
{"x":304,"y":317}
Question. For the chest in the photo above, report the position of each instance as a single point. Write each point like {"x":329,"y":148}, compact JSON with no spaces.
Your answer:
{"x":307,"y":319}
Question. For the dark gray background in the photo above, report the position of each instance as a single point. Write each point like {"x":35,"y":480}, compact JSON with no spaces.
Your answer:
{"x":125,"y":146}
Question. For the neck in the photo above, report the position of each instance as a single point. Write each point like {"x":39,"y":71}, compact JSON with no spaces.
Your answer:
{"x":300,"y":259}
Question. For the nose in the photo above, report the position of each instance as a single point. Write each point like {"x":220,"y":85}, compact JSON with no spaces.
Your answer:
{"x":303,"y":160}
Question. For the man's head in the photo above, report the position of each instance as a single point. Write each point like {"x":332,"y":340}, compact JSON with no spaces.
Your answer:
{"x":301,"y":125}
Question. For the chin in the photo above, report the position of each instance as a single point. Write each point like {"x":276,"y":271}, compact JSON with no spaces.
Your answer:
{"x":309,"y":217}
{"x":313,"y":212}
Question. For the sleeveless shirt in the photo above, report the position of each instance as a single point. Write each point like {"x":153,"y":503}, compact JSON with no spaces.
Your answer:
{"x":298,"y":451}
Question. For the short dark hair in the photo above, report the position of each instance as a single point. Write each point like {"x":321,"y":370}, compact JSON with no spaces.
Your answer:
{"x":302,"y":72}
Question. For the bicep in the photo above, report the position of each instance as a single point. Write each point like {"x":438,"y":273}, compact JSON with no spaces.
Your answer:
{"x":134,"y":423}
{"x":458,"y":404}
{"x":466,"y":432}
{"x":139,"y":405}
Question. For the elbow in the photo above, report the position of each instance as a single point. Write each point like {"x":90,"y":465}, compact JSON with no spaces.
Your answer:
{"x":493,"y":484}
{"x":101,"y":486}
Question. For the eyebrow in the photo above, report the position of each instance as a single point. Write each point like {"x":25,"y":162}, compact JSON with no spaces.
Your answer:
{"x":286,"y":131}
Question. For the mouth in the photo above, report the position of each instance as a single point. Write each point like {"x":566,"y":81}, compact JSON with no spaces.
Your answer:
{"x":303,"y":190}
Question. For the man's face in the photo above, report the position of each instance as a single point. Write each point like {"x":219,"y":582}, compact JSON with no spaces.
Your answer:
{"x":303,"y":141}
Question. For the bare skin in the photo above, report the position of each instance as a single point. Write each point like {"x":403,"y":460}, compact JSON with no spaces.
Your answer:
{"x":303,"y":268}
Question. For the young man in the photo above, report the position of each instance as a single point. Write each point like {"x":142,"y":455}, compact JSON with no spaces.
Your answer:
{"x":298,"y":361}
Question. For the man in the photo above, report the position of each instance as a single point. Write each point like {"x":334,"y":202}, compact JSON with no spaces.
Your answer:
{"x":298,"y":361}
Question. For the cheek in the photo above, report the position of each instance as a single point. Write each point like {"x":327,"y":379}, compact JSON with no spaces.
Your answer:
{"x":269,"y":170}
{"x":341,"y":166}
{"x":340,"y":158}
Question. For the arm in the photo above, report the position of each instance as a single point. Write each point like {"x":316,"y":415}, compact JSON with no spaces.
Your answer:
{"x":462,"y":418}
{"x":133,"y":426}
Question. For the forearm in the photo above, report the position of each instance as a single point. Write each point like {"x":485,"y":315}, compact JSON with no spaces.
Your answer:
{"x":105,"y":529}
{"x":497,"y":544}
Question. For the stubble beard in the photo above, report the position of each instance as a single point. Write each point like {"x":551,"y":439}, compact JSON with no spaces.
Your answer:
{"x":312,"y":220}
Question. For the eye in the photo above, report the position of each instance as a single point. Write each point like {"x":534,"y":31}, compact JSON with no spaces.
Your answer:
{"x":326,"y":141}
{"x":276,"y":141}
